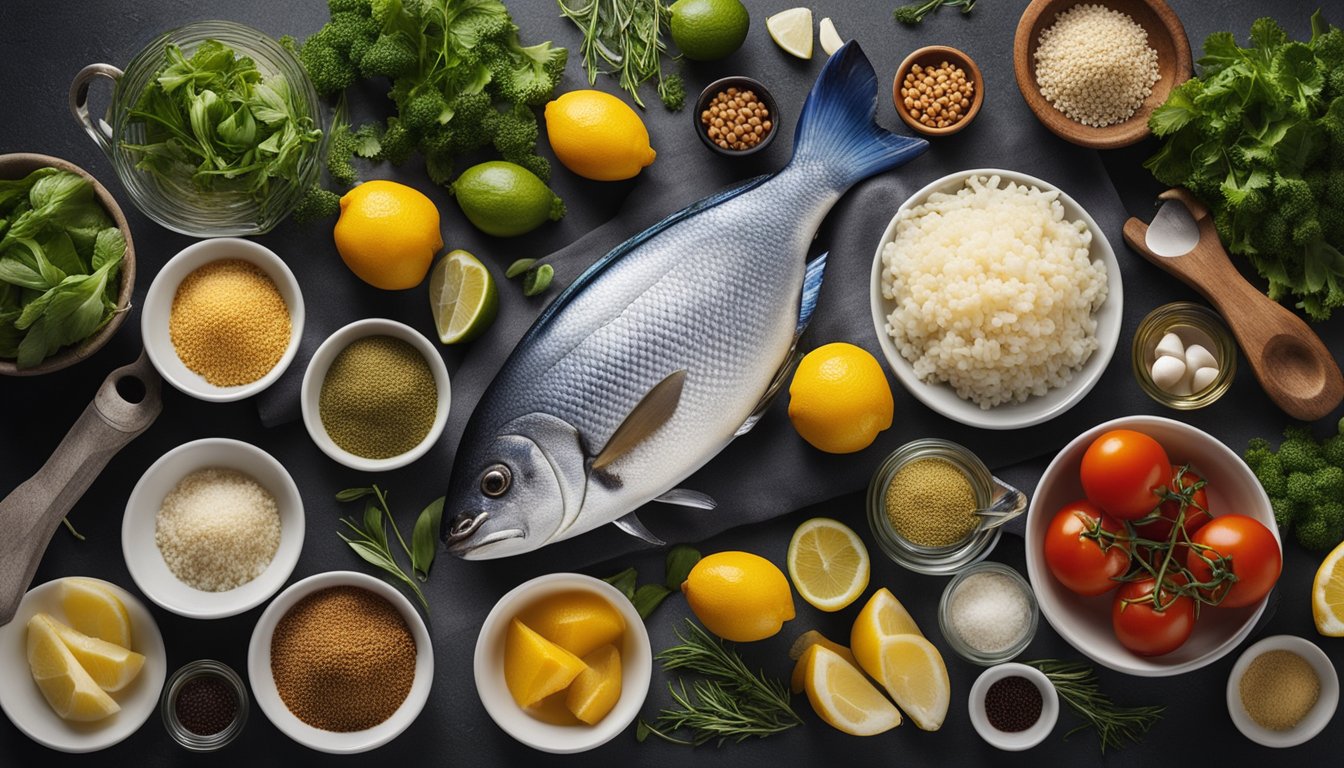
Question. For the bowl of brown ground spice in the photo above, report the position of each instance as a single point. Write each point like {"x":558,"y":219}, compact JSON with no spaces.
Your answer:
{"x":1282,"y":691}
{"x":340,"y":662}
{"x":223,"y":318}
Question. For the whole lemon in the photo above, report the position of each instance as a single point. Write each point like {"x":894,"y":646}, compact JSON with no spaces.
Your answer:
{"x":388,"y":234}
{"x":839,"y":398}
{"x":598,"y":136}
{"x":739,"y":596}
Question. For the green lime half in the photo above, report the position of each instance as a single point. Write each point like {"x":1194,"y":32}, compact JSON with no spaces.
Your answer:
{"x":707,"y":30}
{"x":504,"y":199}
{"x":463,"y":297}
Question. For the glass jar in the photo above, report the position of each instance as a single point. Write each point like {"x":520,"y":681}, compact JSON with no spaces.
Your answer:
{"x":917,"y":557}
{"x":174,"y":201}
{"x":959,"y":644}
{"x":168,"y":705}
{"x":1195,"y":324}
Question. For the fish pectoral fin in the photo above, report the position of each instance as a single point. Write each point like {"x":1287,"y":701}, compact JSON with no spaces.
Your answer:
{"x":776,"y":386}
{"x":816,"y":270}
{"x":656,"y":407}
{"x":631,"y":525}
{"x":684,"y":497}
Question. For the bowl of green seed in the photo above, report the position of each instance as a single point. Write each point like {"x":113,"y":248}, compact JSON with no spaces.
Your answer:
{"x":375,"y":396}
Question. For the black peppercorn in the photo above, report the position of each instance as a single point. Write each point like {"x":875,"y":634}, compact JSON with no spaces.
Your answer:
{"x":206,"y":705}
{"x":1013,"y":704}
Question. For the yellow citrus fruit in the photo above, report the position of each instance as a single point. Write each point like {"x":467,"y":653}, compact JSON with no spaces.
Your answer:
{"x":1327,"y":595}
{"x":534,"y":667}
{"x":913,"y":672}
{"x":882,"y":617}
{"x":596,"y":690}
{"x":828,"y":563}
{"x":598,"y":136}
{"x":388,"y":234}
{"x":839,"y":398}
{"x":579,"y":622}
{"x":111,"y":666}
{"x":799,"y":651}
{"x":94,"y":610}
{"x":71,"y":692}
{"x":843,"y":697}
{"x":739,"y":596}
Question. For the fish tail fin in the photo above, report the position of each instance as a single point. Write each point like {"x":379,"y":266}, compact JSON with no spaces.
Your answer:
{"x":837,"y":128}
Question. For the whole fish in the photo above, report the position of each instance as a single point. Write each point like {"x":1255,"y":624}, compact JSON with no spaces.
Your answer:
{"x":668,"y":347}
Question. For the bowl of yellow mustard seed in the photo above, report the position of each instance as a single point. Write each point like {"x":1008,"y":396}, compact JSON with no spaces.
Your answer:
{"x":223,"y":318}
{"x":375,"y":396}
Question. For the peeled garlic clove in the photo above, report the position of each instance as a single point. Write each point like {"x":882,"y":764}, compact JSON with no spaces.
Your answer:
{"x":1197,"y":357}
{"x":1168,"y":372}
{"x":828,"y":37}
{"x":1170,"y":346}
{"x":1202,"y":378}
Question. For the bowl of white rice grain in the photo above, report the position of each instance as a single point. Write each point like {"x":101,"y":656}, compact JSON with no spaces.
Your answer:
{"x":996,"y":298}
{"x":213,"y":528}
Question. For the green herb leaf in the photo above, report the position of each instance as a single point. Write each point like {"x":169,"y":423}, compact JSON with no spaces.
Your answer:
{"x":625,"y":582}
{"x":538,"y":279}
{"x":353,"y":494}
{"x":425,"y":538}
{"x":680,"y":560}
{"x":518,"y":267}
{"x":648,"y":597}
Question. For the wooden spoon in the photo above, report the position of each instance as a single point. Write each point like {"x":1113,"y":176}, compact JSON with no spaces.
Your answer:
{"x":1292,"y":364}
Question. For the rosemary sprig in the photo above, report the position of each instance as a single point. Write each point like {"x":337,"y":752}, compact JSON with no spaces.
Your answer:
{"x":625,"y":38}
{"x":732,"y":702}
{"x":368,"y":537}
{"x":915,"y":12}
{"x":1077,"y":685}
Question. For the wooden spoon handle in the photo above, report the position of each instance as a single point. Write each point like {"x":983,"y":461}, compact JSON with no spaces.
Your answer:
{"x":1292,"y":364}
{"x":30,"y":513}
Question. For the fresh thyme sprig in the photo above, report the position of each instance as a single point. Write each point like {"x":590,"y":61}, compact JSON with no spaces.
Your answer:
{"x":1077,"y":685}
{"x":731,"y":703}
{"x":915,"y":12}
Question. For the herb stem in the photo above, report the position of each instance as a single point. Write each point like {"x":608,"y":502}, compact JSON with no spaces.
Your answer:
{"x":1077,"y":685}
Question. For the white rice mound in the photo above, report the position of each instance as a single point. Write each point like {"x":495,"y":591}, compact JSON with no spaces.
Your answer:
{"x":994,"y":290}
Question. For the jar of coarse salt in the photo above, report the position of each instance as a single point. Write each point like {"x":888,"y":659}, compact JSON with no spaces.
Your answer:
{"x":1184,"y":356}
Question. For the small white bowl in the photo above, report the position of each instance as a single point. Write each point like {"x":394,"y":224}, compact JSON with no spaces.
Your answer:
{"x":24,"y":704}
{"x":332,"y":742}
{"x":1014,"y":742}
{"x":942,"y":398}
{"x":636,"y":668}
{"x":159,"y":304}
{"x":1316,"y":719}
{"x":1085,"y":622}
{"x":144,"y":559}
{"x":311,"y":391}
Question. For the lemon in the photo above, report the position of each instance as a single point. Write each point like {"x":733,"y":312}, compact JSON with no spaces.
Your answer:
{"x":799,"y":651}
{"x":828,"y":563}
{"x":882,"y":617}
{"x":598,"y":136}
{"x":707,"y":30}
{"x":111,"y":666}
{"x":68,"y":689}
{"x":534,"y":667}
{"x":913,"y":672}
{"x":739,"y":596}
{"x":463,"y":297}
{"x":505,"y":199}
{"x":839,"y":399}
{"x":579,"y":622}
{"x":843,"y":697}
{"x":388,"y":234}
{"x":828,"y":37}
{"x":94,"y":610}
{"x":1327,"y":595}
{"x":597,"y":689}
{"x":792,"y":31}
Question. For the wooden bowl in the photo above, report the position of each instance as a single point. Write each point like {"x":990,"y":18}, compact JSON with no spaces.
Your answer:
{"x":932,"y":56}
{"x":1165,"y":35}
{"x":20,"y":164}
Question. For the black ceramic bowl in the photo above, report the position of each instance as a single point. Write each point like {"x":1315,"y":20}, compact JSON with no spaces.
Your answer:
{"x":742,"y":83}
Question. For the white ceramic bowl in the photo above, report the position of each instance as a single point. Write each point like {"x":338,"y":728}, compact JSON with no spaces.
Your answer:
{"x":159,"y":303}
{"x":1014,"y":742}
{"x":1086,"y":621}
{"x":311,"y":392}
{"x":268,"y":698}
{"x":940,"y":397}
{"x":1316,"y":719}
{"x":636,"y":668}
{"x":144,"y":559}
{"x":24,"y":704}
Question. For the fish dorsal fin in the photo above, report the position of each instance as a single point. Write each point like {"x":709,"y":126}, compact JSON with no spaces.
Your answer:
{"x":631,"y":525}
{"x":652,"y":412}
{"x":684,"y":497}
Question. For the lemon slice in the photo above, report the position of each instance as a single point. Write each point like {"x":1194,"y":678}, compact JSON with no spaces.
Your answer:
{"x":96,"y":611}
{"x":463,"y":297}
{"x":828,"y":563}
{"x":915,"y":677}
{"x":71,"y":692}
{"x":882,"y":617}
{"x":1327,"y":595}
{"x":111,"y":666}
{"x":799,"y":652}
{"x":828,"y":37}
{"x":843,"y":697}
{"x":792,"y":31}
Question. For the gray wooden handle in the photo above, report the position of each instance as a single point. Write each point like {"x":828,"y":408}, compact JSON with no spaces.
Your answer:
{"x":30,"y":513}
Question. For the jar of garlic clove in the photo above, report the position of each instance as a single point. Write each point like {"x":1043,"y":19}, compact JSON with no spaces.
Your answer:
{"x":1184,"y":356}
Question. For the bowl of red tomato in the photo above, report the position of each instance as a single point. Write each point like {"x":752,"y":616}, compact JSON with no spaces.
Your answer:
{"x":1151,"y":546}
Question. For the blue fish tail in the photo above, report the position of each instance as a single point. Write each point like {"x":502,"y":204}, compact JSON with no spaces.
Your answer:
{"x":836,"y":128}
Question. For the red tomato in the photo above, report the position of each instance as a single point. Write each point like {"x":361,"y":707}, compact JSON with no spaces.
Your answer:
{"x":1120,"y":471}
{"x":1196,"y":514}
{"x":1145,"y":630}
{"x":1253,"y":552}
{"x":1078,"y":561}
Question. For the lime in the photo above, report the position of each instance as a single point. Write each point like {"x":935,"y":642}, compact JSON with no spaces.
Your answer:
{"x":504,"y":199}
{"x":462,"y":296}
{"x":707,"y":30}
{"x":792,"y":31}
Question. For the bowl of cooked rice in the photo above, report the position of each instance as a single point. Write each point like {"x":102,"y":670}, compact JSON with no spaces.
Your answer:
{"x":996,"y":298}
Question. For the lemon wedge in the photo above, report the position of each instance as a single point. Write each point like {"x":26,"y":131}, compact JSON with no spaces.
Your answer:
{"x":915,"y":677}
{"x":828,"y":563}
{"x":828,"y":37}
{"x":799,"y":651}
{"x":843,"y":697}
{"x":882,"y":617}
{"x":111,"y":666}
{"x":71,"y":692}
{"x":96,"y":611}
{"x":792,"y":31}
{"x":1327,"y":594}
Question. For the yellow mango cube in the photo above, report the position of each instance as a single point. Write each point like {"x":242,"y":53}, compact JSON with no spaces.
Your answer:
{"x":596,"y":690}
{"x":579,"y":622}
{"x":535,"y":667}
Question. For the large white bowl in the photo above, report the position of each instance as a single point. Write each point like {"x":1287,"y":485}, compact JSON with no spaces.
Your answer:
{"x":24,"y":704}
{"x":268,"y":698}
{"x":636,"y":668}
{"x":1086,"y":621}
{"x":940,"y":397}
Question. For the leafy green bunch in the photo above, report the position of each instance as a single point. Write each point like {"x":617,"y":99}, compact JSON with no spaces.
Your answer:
{"x":1304,"y":480}
{"x":1259,"y":138}
{"x":60,"y":254}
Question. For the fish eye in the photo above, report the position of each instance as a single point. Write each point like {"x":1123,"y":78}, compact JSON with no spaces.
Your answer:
{"x":495,"y":481}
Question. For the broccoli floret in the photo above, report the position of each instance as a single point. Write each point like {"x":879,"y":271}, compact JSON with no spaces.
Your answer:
{"x":1299,"y":452}
{"x":672,"y":90}
{"x":515,"y":134}
{"x":327,"y":68}
{"x":1321,"y":527}
{"x":529,"y":74}
{"x":391,"y":56}
{"x":1333,"y":450}
{"x":425,"y":111}
{"x":1257,"y":450}
{"x":397,"y":143}
{"x":343,"y":6}
{"x":317,"y":203}
{"x":1329,"y":483}
{"x":1272,"y":477}
{"x":1285,"y":512}
{"x":1299,"y":489}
